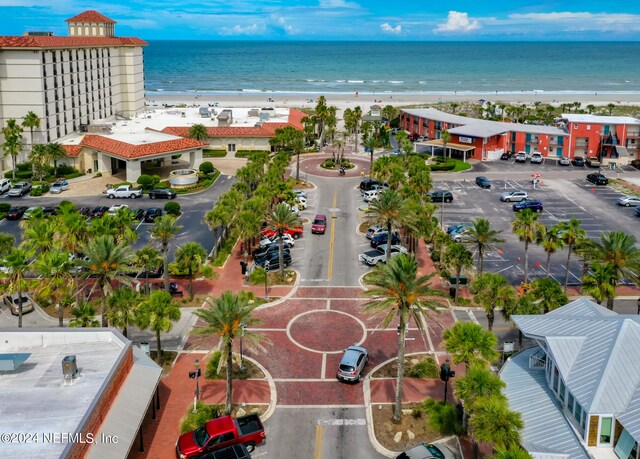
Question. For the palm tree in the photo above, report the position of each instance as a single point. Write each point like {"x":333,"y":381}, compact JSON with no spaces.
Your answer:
{"x":228,"y":317}
{"x":590,"y":108}
{"x":17,"y":262}
{"x":551,"y":241}
{"x":198,"y":132}
{"x":297,"y":146}
{"x":610,"y":108}
{"x":157,"y":313}
{"x":38,"y":235}
{"x":493,"y":422}
{"x":493,"y":291}
{"x":390,"y":210}
{"x":618,"y":250}
{"x":191,"y":257}
{"x":56,"y":152}
{"x":399,"y":292}
{"x":84,"y":316}
{"x":548,"y":294}
{"x":123,"y":308}
{"x":471,"y":344}
{"x":39,"y":157}
{"x":320,"y":116}
{"x":218,"y":217}
{"x":12,"y":145}
{"x":511,"y":453}
{"x":484,"y":238}
{"x":572,"y":235}
{"x":457,"y":257}
{"x":164,"y":230}
{"x":600,"y":283}
{"x":6,"y":243}
{"x":279,"y":221}
{"x":106,"y":262}
{"x":527,"y":227}
{"x":55,"y":267}
{"x":31,"y":121}
{"x":371,"y":143}
{"x":148,"y":259}
{"x":446,"y":138}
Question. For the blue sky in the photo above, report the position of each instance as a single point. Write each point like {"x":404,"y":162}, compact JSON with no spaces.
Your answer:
{"x":513,"y":20}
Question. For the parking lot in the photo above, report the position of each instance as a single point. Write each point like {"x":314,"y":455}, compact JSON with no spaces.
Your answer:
{"x":576,"y":198}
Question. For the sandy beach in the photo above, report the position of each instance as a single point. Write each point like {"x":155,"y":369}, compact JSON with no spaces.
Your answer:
{"x":343,"y":101}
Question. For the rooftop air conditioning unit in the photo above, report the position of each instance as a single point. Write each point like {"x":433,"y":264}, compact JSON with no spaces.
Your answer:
{"x":69,"y":367}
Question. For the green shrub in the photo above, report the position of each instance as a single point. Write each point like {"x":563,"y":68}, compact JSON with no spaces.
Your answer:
{"x":99,"y":174}
{"x":428,"y":368}
{"x":443,"y":417}
{"x":147,"y":181}
{"x":5,"y":207}
{"x":172,"y":208}
{"x":328,"y":163}
{"x":23,"y":167}
{"x":20,"y":175}
{"x":206,"y":167}
{"x":65,"y":170}
{"x":212,"y":366}
{"x":214,"y":153}
{"x":203,"y":414}
{"x":174,"y":270}
{"x":442,"y":167}
{"x":206,"y":271}
{"x":257,"y":276}
{"x":36,"y":192}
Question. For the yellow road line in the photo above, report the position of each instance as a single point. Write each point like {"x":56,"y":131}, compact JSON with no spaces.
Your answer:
{"x":319,"y":429}
{"x":333,"y":235}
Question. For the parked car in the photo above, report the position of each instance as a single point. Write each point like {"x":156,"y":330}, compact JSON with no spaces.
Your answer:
{"x":295,"y":232}
{"x":370,"y":195}
{"x":16,"y":213}
{"x":637,"y":209}
{"x":440,"y":196}
{"x":521,"y":157}
{"x":151,"y":214}
{"x":5,"y":185}
{"x":506,"y":156}
{"x":123,"y":191}
{"x":462,"y":236}
{"x":373,"y":230}
{"x":564,"y":161}
{"x":231,"y":452}
{"x":86,"y":211}
{"x":598,"y":179}
{"x":20,"y":189}
{"x":138,"y":214}
{"x":379,"y":255}
{"x":381,"y":238}
{"x":50,"y":210}
{"x":99,"y":211}
{"x":514,"y":196}
{"x":532,"y":204}
{"x":458,"y":228}
{"x":319,"y":224}
{"x":300,"y":193}
{"x":578,"y":161}
{"x":352,"y":364}
{"x":287,"y":240}
{"x":265,"y":250}
{"x":30,"y":212}
{"x":483,"y":182}
{"x":12,"y":302}
{"x":301,"y":202}
{"x":59,"y":187}
{"x":593,"y":161}
{"x":162,"y":193}
{"x":536,"y":157}
{"x":368,"y":184}
{"x":628,"y":201}
{"x":427,"y":451}
{"x":114,"y":209}
{"x":272,"y":260}
{"x":221,"y":433}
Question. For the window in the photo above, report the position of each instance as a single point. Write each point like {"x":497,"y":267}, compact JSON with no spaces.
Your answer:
{"x":605,"y":430}
{"x":562,"y":390}
{"x":578,"y":412}
{"x":556,"y":379}
{"x":231,"y":147}
{"x":570,"y":402}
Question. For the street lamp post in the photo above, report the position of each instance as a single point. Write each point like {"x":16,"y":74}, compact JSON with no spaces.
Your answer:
{"x":266,"y":280}
{"x":445,"y":374}
{"x":243,"y":329}
{"x":196,"y":375}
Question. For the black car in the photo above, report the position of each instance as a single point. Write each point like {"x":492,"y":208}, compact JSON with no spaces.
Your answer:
{"x":232,"y":452}
{"x":381,"y":238}
{"x":272,"y":260}
{"x":137,"y":214}
{"x":578,"y":161}
{"x":162,"y":193}
{"x":50,"y":210}
{"x":86,"y":211}
{"x":16,"y":213}
{"x":506,"y":156}
{"x":532,"y":204}
{"x":262,"y":252}
{"x":151,"y":214}
{"x":483,"y":182}
{"x":368,"y":184}
{"x":440,"y":196}
{"x":598,"y":179}
{"x":99,"y":211}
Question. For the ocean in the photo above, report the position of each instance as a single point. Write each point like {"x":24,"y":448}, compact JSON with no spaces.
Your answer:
{"x":438,"y":68}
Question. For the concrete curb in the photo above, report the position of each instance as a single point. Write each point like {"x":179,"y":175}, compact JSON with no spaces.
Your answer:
{"x":293,"y":290}
{"x":273,"y":398}
{"x":369,"y":416}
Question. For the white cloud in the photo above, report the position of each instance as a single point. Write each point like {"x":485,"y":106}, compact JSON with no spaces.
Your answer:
{"x":253,"y":29}
{"x":337,"y":4}
{"x":387,"y":28}
{"x":568,"y":16}
{"x":458,"y":22}
{"x":281,"y":23}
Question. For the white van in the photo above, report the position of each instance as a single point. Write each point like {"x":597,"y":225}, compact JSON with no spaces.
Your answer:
{"x":371,"y":195}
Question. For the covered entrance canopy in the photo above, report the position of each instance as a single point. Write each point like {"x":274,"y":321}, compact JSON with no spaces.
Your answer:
{"x":455,"y":146}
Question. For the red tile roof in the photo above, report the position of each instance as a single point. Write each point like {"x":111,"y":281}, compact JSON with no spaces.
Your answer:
{"x":265,"y":130}
{"x":91,"y":16}
{"x":72,"y":150}
{"x":128,"y":151}
{"x":67,"y":42}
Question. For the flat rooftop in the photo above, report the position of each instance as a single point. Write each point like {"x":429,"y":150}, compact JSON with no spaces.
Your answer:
{"x":35,"y":399}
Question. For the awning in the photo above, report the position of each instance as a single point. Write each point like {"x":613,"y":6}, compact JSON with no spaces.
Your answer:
{"x":622,"y":151}
{"x":454,"y":146}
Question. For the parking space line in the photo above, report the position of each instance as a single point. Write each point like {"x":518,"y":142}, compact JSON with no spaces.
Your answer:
{"x":570,"y":273}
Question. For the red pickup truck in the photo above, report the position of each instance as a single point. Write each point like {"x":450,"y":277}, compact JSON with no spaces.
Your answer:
{"x":294,"y":232}
{"x":220,"y":433}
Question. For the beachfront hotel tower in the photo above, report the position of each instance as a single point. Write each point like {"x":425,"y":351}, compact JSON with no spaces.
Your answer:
{"x":71,"y":81}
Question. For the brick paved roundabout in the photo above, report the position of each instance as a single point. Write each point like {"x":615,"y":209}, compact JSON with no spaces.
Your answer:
{"x":311,"y":165}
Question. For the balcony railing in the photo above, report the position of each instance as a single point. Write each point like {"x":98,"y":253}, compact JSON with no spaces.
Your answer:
{"x":538,"y":360}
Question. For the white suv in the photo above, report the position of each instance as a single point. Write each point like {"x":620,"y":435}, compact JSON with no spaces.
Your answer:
{"x":5,"y":185}
{"x":536,"y":157}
